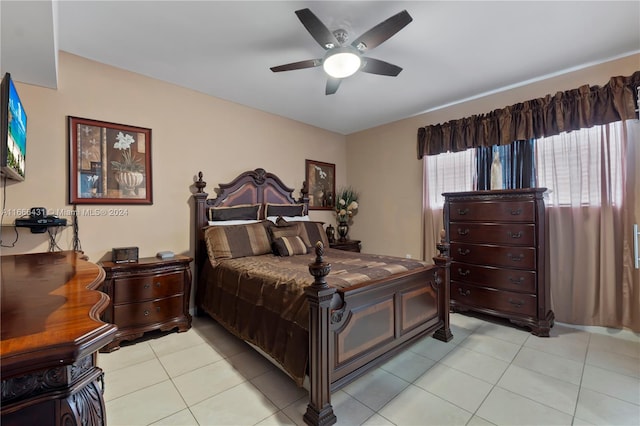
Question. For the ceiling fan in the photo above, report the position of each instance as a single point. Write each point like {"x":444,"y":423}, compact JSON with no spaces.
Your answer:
{"x":342,"y":60}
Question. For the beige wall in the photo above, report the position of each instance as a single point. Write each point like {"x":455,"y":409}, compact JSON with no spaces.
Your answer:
{"x":383,"y":165}
{"x":190,"y":132}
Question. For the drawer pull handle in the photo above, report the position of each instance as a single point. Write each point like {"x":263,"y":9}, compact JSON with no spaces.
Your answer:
{"x":516,"y":212}
{"x":147,"y":285}
{"x":516,"y":303}
{"x":464,"y":252}
{"x":463,"y":212}
{"x":463,"y":292}
{"x":515,"y":235}
{"x":158,"y":284}
{"x":515,"y":258}
{"x":519,"y":280}
{"x":146,"y":313}
{"x":463,"y":231}
{"x":463,"y":273}
{"x":157,"y":308}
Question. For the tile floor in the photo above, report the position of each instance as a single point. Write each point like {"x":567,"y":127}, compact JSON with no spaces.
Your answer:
{"x":490,"y":373}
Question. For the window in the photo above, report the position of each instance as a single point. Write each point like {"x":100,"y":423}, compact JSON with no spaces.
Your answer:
{"x":583,"y":167}
{"x":449,"y":172}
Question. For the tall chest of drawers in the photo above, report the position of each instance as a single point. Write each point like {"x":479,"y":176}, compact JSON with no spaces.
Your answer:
{"x":151,"y":294}
{"x":499,"y":255}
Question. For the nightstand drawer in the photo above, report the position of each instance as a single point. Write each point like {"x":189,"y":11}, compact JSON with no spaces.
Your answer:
{"x":496,"y":300}
{"x":507,"y":279}
{"x":150,"y":312}
{"x":517,"y":234}
{"x":513,"y":211}
{"x":137,"y":289}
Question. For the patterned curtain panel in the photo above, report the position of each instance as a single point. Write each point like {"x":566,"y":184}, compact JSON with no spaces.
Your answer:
{"x":583,"y":107}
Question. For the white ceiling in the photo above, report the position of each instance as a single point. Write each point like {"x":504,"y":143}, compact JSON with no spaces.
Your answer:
{"x":451,"y":52}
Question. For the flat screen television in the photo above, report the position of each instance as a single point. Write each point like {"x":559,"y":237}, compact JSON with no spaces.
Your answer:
{"x":13,"y":131}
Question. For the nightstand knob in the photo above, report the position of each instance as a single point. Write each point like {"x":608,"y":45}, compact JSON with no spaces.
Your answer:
{"x":146,"y":313}
{"x":158,"y":284}
{"x":147,"y":285}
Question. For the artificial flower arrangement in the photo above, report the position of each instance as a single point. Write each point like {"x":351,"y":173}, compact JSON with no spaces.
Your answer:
{"x":346,"y":204}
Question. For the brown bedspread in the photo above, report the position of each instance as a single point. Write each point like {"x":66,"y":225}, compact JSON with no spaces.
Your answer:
{"x":261,"y":298}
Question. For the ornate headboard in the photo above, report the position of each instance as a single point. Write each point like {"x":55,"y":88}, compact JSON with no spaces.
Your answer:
{"x":251,"y":187}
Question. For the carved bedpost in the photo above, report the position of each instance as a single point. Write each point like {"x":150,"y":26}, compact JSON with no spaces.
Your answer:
{"x":200,"y":220}
{"x":443,"y":281}
{"x":304,"y":196}
{"x":319,"y":295}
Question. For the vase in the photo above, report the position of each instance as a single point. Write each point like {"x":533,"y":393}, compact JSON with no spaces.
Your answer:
{"x":128,"y":181}
{"x":343,"y":231}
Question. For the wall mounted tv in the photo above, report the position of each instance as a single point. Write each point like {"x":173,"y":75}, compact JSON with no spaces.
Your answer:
{"x":13,"y":131}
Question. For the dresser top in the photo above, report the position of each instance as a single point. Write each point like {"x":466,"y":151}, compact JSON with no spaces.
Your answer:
{"x":50,"y":313}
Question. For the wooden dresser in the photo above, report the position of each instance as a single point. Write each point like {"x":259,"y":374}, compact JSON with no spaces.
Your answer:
{"x":151,"y":294}
{"x":50,"y":335}
{"x":498,"y":251}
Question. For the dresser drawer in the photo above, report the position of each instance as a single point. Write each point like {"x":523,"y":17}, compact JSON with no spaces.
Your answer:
{"x":136,"y":289}
{"x":520,"y":234}
{"x":149,"y":312}
{"x":478,"y":254}
{"x":497,"y":300}
{"x":506,"y":279}
{"x":511,"y":211}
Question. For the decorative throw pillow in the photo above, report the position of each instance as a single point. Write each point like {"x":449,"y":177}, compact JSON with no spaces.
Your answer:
{"x":293,"y":229}
{"x":312,"y":232}
{"x":290,"y":246}
{"x":228,"y":242}
{"x":284,"y":210}
{"x":309,"y":232}
{"x":240,"y":212}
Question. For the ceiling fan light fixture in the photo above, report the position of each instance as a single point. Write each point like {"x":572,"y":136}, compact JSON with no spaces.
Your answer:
{"x":342,"y":62}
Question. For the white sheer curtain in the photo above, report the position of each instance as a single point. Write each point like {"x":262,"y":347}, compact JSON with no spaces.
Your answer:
{"x":590,"y":202}
{"x":448,"y":172}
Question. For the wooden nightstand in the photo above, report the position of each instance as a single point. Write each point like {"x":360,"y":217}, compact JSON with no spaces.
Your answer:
{"x":152,"y":294}
{"x":348,"y":245}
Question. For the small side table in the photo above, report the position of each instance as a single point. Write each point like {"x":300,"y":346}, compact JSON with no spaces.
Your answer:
{"x":151,"y":294}
{"x":348,"y":245}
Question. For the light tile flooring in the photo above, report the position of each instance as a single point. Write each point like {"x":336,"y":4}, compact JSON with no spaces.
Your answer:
{"x":490,"y":373}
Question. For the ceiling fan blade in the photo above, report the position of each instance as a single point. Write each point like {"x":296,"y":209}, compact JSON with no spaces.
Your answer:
{"x":376,"y":66}
{"x":310,"y":63}
{"x":317,"y":29}
{"x":383,"y":31}
{"x":332,"y":85}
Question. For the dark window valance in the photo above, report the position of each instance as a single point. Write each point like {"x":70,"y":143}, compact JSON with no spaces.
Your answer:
{"x":565,"y":111}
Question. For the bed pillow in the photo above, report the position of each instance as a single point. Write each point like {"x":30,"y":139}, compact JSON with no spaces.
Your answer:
{"x":275,"y":219}
{"x":232,"y":222}
{"x":284,"y":210}
{"x":239,"y":212}
{"x":312,"y":232}
{"x":229,"y":242}
{"x":290,"y":246}
{"x":309,"y":232}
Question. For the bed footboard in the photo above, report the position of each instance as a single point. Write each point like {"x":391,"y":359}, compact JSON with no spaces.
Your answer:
{"x":354,"y":330}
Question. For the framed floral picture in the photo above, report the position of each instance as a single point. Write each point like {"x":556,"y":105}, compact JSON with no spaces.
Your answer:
{"x":109,"y":163}
{"x":321,"y":181}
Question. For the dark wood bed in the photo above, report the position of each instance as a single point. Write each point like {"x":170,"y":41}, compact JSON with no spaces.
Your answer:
{"x":351,"y":329}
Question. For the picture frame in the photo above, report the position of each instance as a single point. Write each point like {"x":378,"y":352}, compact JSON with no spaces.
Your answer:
{"x":321,"y":182}
{"x":109,"y":163}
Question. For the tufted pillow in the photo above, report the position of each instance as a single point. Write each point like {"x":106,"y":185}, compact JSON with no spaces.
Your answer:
{"x":240,"y":212}
{"x":284,"y":210}
{"x":228,"y":242}
{"x":290,"y":246}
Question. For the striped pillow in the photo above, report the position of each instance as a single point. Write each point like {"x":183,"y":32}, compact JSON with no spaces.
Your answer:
{"x":228,"y":242}
{"x":290,"y":246}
